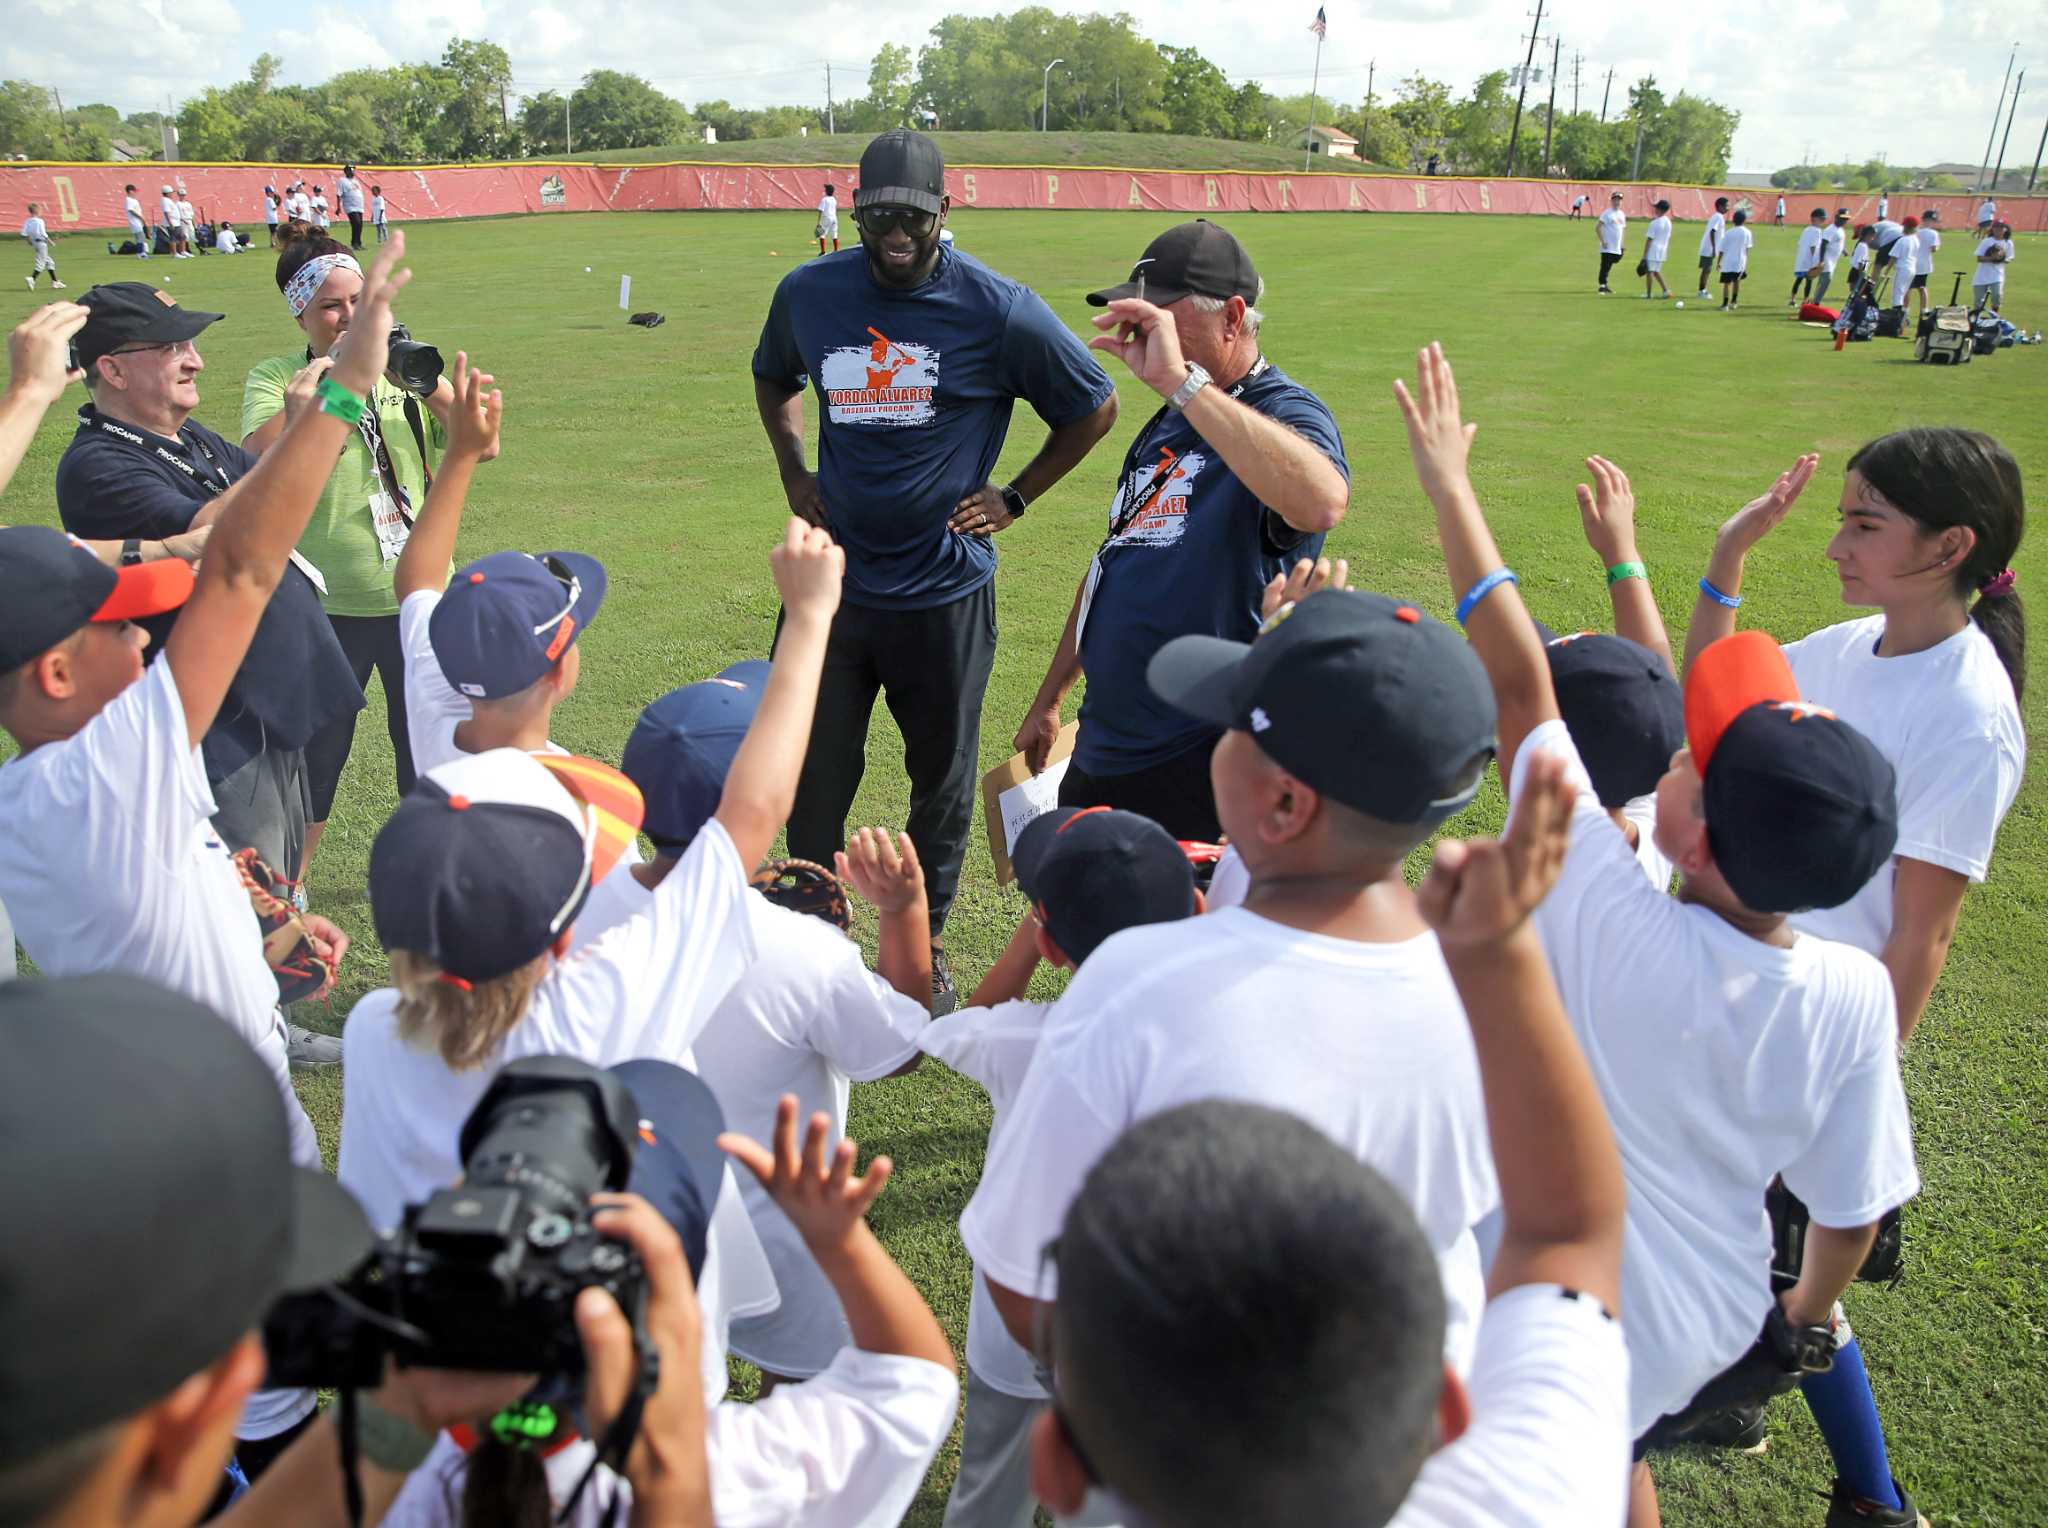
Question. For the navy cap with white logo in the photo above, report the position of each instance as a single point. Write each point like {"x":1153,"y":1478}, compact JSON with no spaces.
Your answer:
{"x":1622,"y":707}
{"x":1364,"y":698}
{"x":508,"y":618}
{"x":1093,"y":872}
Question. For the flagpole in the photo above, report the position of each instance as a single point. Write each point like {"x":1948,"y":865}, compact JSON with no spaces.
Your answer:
{"x":1308,"y":144}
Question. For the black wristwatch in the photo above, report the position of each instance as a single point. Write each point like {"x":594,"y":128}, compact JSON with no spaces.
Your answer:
{"x":131,"y":552}
{"x":1013,"y":501}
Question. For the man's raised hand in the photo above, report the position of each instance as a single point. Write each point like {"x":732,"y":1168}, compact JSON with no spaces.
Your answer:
{"x":1146,"y":339}
{"x":39,"y":352}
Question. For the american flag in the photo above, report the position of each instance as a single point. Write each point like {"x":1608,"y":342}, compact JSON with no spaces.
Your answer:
{"x":1320,"y":25}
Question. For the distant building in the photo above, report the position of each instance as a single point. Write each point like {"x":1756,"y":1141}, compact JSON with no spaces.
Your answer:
{"x":1328,"y":140}
{"x":1748,"y":179}
{"x":710,"y":133}
{"x":123,"y":152}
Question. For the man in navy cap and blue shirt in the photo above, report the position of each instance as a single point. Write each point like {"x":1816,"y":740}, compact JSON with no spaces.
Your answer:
{"x":1240,"y":473}
{"x":141,"y":472}
{"x":917,"y":353}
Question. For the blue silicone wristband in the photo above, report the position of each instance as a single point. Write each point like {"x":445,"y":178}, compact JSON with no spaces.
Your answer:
{"x":1484,"y":587}
{"x":1732,"y":601}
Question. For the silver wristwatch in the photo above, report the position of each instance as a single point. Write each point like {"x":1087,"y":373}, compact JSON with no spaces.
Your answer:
{"x":1198,"y":378}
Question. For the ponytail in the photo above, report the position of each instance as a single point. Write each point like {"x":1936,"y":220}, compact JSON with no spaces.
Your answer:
{"x":1945,"y":478}
{"x":505,"y":1487}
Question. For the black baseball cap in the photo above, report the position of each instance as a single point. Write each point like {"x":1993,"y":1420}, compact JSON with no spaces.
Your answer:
{"x":683,"y":746}
{"x":1801,"y":808}
{"x":153,"y":1209}
{"x":51,"y":585}
{"x":901,"y":169}
{"x":1365,"y":698}
{"x":1092,"y":872}
{"x":134,"y":313}
{"x":1198,"y":259}
{"x":490,"y":857}
{"x":1622,"y":707}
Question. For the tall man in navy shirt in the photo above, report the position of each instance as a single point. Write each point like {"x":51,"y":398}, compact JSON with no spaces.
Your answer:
{"x":1239,"y":474}
{"x":916,"y":352}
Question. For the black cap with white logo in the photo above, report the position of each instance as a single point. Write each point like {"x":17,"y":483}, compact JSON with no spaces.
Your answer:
{"x":1364,"y":698}
{"x":1198,"y":259}
{"x":901,"y":169}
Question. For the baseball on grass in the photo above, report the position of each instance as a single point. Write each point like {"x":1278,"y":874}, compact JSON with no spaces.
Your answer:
{"x":1681,"y":302}
{"x":586,"y":270}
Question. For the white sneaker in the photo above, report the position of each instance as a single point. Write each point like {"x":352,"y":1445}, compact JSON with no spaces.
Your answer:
{"x":31,"y":282}
{"x":56,"y":285}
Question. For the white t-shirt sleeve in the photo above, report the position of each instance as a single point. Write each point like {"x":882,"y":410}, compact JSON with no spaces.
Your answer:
{"x":862,"y":1025}
{"x":136,"y":779}
{"x":993,"y":1046}
{"x":1861,"y":1161}
{"x":845,"y":1449}
{"x":433,"y":706}
{"x":1549,"y":1441}
{"x":1951,"y":801}
{"x":1231,"y":883}
{"x":648,"y":986}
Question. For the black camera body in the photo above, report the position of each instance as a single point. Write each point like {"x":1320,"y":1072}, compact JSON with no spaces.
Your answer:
{"x":485,"y":1275}
{"x":417,"y":366}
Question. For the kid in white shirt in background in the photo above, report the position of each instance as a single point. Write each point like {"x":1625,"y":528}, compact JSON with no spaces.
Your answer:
{"x":1781,"y":1048}
{"x":1832,"y":238}
{"x":1987,"y":289}
{"x":1806,"y":259}
{"x":1735,"y":247}
{"x":1655,"y":247}
{"x":37,"y":234}
{"x":807,"y":1018}
{"x":1613,"y":230}
{"x":1089,"y":874}
{"x":1710,"y":241}
{"x":828,"y":219}
{"x":377,"y":213}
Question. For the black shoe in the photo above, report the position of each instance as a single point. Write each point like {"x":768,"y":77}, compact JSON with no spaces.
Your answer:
{"x":1845,"y":1511}
{"x":1736,"y":1427}
{"x":944,"y":998}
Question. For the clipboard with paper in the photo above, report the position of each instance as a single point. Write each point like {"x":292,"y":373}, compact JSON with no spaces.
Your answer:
{"x":1011,"y":795}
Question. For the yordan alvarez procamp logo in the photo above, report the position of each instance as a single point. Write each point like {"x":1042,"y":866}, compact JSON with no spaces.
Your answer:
{"x":881,"y":382}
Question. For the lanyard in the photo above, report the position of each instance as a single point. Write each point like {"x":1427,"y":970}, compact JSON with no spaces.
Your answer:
{"x":371,"y":429}
{"x":214,"y":481}
{"x":1128,"y":505}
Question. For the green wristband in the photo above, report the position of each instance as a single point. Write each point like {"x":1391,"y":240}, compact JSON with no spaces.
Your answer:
{"x":1623,"y":570}
{"x":339,"y":401}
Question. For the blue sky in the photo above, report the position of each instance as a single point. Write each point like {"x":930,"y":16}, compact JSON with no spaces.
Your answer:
{"x":1913,"y":80}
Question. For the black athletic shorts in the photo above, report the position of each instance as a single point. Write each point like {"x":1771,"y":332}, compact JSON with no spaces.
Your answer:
{"x":1919,"y":283}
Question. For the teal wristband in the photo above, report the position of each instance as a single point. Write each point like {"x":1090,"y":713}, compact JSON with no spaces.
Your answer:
{"x":339,"y":401}
{"x":1484,"y":587}
{"x":1732,"y":601}
{"x":1623,"y":570}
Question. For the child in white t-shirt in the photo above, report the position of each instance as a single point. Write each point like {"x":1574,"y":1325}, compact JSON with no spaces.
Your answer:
{"x":1613,"y":230}
{"x":37,"y":234}
{"x":828,"y":219}
{"x":1656,"y":245}
{"x":1995,"y":252}
{"x":319,"y":207}
{"x":1710,"y":241}
{"x":1832,"y":238}
{"x":1089,"y":875}
{"x":1707,"y":1019}
{"x":225,"y":241}
{"x":1806,"y":259}
{"x":1735,"y":247}
{"x":377,"y":213}
{"x":188,"y":225}
{"x":138,"y":226}
{"x":1331,"y":769}
{"x":1323,"y":1395}
{"x":806,"y":1018}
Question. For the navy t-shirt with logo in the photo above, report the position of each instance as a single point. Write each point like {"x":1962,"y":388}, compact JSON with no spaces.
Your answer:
{"x":1195,"y":559}
{"x":914,"y":389}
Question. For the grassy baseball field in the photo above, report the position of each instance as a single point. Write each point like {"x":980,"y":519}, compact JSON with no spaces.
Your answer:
{"x":642,"y":447}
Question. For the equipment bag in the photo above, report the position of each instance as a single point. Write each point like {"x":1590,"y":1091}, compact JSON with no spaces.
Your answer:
{"x":1944,"y":337}
{"x":1891,"y":324}
{"x":1986,"y":331}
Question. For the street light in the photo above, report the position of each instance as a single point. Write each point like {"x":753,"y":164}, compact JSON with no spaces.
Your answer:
{"x":1045,"y":93}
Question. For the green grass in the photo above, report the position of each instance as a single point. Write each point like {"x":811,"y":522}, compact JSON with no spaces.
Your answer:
{"x":1145,"y":151}
{"x":643,"y":447}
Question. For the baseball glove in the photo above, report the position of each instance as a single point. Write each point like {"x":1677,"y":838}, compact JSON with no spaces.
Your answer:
{"x":300,"y":959}
{"x":1781,"y":1356}
{"x":803,"y":886}
{"x":1885,"y":1263}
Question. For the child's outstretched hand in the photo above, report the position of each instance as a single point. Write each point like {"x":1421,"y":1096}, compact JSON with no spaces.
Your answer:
{"x":887,"y":874}
{"x":1480,"y":891}
{"x":1760,"y":516}
{"x":474,"y":415}
{"x":823,"y":1197}
{"x":1302,"y":580}
{"x":1607,"y":511}
{"x":808,"y":567}
{"x":1438,"y":438}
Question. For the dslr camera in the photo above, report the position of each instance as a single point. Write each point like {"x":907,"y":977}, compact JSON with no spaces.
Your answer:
{"x":416,"y":366}
{"x":485,"y":1276}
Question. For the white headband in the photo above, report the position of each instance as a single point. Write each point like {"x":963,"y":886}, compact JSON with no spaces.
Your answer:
{"x":311,"y":276}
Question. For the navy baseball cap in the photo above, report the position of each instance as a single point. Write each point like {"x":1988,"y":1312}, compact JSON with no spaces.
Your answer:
{"x":677,"y":1166}
{"x":1801,"y":808}
{"x":1365,"y":698}
{"x":51,"y":585}
{"x":155,"y":1210}
{"x":683,"y":745}
{"x":1093,"y":872}
{"x":1622,"y":707}
{"x":508,"y":618}
{"x":488,"y":860}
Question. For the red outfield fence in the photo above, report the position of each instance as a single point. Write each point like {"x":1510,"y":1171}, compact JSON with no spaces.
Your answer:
{"x":89,"y":195}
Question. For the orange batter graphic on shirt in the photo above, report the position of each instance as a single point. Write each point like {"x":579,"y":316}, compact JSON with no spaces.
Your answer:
{"x":880,"y":373}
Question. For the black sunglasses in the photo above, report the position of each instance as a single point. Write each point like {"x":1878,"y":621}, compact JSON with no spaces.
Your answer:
{"x":879,"y":220}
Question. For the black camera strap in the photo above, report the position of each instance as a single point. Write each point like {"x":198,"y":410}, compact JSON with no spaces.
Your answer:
{"x":351,"y":1453}
{"x":614,"y":1446}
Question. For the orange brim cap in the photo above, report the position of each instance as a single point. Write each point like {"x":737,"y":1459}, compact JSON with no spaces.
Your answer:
{"x":614,"y":803}
{"x":1732,"y":675}
{"x":146,"y":589}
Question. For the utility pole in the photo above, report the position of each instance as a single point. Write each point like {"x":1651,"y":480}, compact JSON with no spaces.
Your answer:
{"x":829,"y":127}
{"x":1635,"y":164}
{"x":2035,"y":175}
{"x":1366,"y":124}
{"x":1577,"y":59}
{"x":169,"y":134}
{"x":1550,"y":113}
{"x":568,"y":132}
{"x":1605,"y":91}
{"x":63,"y":127}
{"x":1515,"y":132}
{"x":1998,"y":167}
{"x":1996,"y":112}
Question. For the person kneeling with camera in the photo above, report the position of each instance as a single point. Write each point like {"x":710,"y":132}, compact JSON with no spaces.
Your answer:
{"x":148,"y":1148}
{"x":372,"y":496}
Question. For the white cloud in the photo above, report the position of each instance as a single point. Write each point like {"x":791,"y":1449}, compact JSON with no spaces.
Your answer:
{"x":1826,"y":76}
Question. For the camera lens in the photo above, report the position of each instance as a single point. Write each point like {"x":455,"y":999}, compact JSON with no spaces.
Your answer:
{"x":558,"y":1129}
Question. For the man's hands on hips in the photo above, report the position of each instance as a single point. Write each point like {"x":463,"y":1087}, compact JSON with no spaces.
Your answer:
{"x":1146,"y":340}
{"x":805,"y":502}
{"x":981,"y":513}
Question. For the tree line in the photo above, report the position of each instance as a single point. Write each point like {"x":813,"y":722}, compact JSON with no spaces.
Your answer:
{"x":975,"y":73}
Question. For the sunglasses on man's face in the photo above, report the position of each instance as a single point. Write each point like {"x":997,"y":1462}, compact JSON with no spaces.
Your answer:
{"x":880,"y":220}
